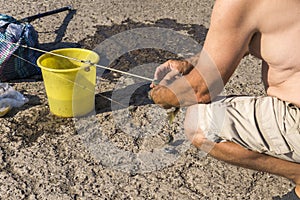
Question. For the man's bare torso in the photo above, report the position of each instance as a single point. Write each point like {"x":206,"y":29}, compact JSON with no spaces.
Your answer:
{"x":268,"y":29}
{"x":277,"y":43}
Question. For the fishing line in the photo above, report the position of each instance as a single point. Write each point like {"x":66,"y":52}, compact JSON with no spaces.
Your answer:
{"x":105,"y":97}
{"x":171,"y":115}
{"x":79,"y":60}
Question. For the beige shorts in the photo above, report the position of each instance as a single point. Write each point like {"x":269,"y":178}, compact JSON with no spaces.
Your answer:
{"x":262,"y":124}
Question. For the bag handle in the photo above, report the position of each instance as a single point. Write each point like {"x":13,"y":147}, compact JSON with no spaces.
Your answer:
{"x":40,"y":15}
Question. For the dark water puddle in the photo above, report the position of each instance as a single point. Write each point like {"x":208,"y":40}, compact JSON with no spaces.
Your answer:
{"x":146,"y":55}
{"x":195,"y":31}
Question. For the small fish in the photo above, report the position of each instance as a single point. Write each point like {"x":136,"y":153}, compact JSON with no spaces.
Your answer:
{"x":172,"y":114}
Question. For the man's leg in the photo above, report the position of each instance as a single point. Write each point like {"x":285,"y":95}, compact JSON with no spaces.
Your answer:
{"x":238,"y":155}
{"x":252,"y":122}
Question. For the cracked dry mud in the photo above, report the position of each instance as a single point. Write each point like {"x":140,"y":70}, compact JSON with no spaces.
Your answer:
{"x":125,"y":150}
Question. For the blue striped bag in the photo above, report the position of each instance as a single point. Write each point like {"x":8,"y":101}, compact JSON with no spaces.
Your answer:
{"x":16,"y":61}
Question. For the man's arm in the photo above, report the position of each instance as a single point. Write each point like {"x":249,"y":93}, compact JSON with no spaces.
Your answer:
{"x":233,"y":24}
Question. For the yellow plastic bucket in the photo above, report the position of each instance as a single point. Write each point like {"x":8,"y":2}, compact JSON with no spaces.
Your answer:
{"x":70,"y":85}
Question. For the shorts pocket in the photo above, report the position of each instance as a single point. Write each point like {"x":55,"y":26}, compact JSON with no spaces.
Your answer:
{"x":269,"y":115}
{"x":293,"y":134}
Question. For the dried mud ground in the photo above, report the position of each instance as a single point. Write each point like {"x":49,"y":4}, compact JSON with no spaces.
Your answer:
{"x":124,"y":150}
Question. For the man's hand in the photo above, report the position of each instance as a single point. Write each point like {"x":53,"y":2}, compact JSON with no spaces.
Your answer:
{"x":164,"y":75}
{"x":164,"y":97}
{"x":170,"y":70}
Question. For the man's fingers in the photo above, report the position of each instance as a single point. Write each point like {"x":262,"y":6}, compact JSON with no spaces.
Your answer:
{"x":169,"y":71}
{"x":154,"y":83}
{"x":161,"y":71}
{"x":183,"y":66}
{"x":157,"y":97}
{"x":170,"y":77}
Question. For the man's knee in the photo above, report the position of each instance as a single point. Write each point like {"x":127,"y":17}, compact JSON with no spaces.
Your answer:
{"x":193,"y":128}
{"x":199,"y":140}
{"x":196,"y":137}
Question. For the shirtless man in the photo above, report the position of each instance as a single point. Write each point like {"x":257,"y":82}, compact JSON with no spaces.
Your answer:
{"x":261,"y":133}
